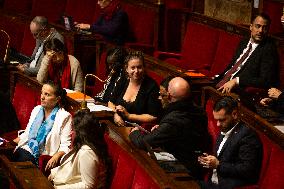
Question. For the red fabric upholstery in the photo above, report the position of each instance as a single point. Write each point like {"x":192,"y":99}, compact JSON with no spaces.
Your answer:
{"x":140,"y":18}
{"x":212,"y":125}
{"x":274,"y":10}
{"x":52,"y":9}
{"x":158,"y":78}
{"x":81,"y":11}
{"x":42,"y":162}
{"x":199,"y":46}
{"x":24,"y":108}
{"x":20,"y":7}
{"x":126,"y":172}
{"x":274,"y":175}
{"x":227,"y":45}
{"x":28,"y":43}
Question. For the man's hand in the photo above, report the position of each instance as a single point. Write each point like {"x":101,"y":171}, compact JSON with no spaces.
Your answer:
{"x":208,"y":161}
{"x":21,"y":67}
{"x":154,"y":127}
{"x":265,"y":101}
{"x":274,"y":93}
{"x":227,"y":87}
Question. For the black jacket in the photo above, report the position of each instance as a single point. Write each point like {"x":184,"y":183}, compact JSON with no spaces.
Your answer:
{"x":182,"y":131}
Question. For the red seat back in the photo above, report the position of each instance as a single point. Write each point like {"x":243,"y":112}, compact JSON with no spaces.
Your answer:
{"x":81,"y":11}
{"x":199,"y":46}
{"x":28,"y":43}
{"x":24,"y":100}
{"x":20,"y":7}
{"x":226,"y":47}
{"x":275,"y":11}
{"x":51,"y":9}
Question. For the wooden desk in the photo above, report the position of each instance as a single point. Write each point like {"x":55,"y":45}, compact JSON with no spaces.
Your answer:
{"x":25,"y":175}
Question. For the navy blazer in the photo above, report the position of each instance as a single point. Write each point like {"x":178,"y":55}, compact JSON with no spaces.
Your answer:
{"x":261,"y":68}
{"x":240,"y":158}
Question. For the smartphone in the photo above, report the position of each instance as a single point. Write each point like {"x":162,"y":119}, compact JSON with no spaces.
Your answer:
{"x":199,"y":153}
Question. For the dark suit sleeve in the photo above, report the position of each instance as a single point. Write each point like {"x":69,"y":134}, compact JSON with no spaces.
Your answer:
{"x":248,"y":159}
{"x":164,"y":133}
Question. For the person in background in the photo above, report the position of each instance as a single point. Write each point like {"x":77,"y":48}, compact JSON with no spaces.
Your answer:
{"x":135,"y":99}
{"x":86,"y":165}
{"x":49,"y":129}
{"x":182,"y":129}
{"x":112,"y":23}
{"x":255,"y":63}
{"x":115,"y":67}
{"x":41,"y":32}
{"x":60,"y":67}
{"x":238,"y":153}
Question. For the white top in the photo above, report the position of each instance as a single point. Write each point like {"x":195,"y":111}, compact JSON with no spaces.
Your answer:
{"x":58,"y":139}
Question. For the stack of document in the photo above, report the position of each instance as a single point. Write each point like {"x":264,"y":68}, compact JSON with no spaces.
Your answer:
{"x":78,"y":96}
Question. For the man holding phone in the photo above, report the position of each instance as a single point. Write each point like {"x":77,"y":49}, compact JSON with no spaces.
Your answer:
{"x":182,"y":128}
{"x":238,"y":153}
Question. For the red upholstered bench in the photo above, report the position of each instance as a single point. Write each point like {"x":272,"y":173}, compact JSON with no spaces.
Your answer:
{"x":126,"y":171}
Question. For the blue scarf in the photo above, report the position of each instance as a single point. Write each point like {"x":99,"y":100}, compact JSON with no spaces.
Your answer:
{"x":39,"y":131}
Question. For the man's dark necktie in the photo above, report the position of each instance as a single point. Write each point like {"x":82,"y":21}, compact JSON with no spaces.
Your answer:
{"x":229,"y":73}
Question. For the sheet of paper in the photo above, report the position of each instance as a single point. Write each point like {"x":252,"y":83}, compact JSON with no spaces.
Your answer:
{"x":95,"y":108}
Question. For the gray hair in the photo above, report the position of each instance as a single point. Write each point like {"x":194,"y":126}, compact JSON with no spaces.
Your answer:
{"x":40,"y":21}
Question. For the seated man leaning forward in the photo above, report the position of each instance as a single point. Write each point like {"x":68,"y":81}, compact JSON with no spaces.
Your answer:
{"x":41,"y":32}
{"x":238,"y":153}
{"x":182,"y":129}
{"x":255,"y":63}
{"x":49,"y":129}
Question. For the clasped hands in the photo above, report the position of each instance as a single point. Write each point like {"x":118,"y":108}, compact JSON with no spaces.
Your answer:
{"x":120,"y":113}
{"x":273,"y":93}
{"x":208,"y":161}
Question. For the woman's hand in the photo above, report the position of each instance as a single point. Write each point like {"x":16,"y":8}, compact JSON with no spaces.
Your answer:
{"x":122,"y":111}
{"x":274,"y":93}
{"x":118,"y":120}
{"x":50,"y":177}
{"x":53,"y":162}
{"x":265,"y":101}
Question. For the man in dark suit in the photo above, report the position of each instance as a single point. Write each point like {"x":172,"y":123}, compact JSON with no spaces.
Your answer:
{"x":182,"y":129}
{"x":238,"y":153}
{"x":255,"y":62}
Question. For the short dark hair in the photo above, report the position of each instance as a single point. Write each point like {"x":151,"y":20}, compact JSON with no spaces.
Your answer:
{"x":165,"y":82}
{"x":264,"y":16}
{"x":227,"y":103}
{"x":55,"y":45}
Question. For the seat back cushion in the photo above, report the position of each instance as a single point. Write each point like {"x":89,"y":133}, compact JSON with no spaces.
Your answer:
{"x":275,"y":10}
{"x":28,"y":43}
{"x":274,"y":175}
{"x":199,"y":46}
{"x":51,"y":9}
{"x":22,"y":107}
{"x":141,"y":18}
{"x":158,"y":78}
{"x":20,"y":7}
{"x":81,"y":11}
{"x":227,"y":45}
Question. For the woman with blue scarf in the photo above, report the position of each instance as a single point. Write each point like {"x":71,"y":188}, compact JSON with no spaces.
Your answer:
{"x":49,"y":129}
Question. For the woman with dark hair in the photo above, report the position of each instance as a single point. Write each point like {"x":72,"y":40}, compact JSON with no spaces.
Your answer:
{"x":136,"y":99}
{"x":85,"y":165}
{"x":112,"y":23}
{"x":49,"y":129}
{"x":60,"y":67}
{"x":115,"y":67}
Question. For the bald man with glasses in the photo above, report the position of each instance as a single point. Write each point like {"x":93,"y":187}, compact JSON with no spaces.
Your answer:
{"x":182,"y":129}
